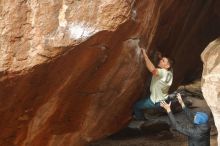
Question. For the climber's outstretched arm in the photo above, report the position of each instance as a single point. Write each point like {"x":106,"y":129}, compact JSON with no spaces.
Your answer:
{"x":150,"y":66}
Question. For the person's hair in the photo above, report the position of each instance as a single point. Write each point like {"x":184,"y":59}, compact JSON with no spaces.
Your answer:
{"x":171,"y":62}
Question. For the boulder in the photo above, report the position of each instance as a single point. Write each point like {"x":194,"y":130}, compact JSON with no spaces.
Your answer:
{"x":211,"y":80}
{"x":70,"y":71}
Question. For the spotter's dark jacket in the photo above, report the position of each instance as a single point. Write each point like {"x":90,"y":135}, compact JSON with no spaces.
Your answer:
{"x":198,"y":135}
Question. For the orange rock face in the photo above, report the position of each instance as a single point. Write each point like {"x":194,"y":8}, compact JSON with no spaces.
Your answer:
{"x":70,"y":71}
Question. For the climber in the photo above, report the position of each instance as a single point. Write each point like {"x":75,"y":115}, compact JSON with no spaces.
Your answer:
{"x":161,"y":81}
{"x":198,"y":132}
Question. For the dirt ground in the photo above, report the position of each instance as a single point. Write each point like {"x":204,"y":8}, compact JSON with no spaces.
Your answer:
{"x":146,"y":141}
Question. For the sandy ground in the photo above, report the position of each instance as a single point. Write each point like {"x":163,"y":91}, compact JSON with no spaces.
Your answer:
{"x":147,"y":141}
{"x":157,"y":134}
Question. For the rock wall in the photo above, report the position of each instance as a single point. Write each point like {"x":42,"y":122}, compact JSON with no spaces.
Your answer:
{"x":211,"y":80}
{"x":70,"y":71}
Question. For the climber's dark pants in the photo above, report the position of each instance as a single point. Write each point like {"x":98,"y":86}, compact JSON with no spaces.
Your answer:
{"x":145,"y":103}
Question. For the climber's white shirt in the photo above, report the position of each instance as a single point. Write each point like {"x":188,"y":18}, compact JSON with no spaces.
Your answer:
{"x":160,"y":85}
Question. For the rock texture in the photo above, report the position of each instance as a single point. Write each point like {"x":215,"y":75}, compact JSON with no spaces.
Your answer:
{"x":70,"y":70}
{"x":211,"y":80}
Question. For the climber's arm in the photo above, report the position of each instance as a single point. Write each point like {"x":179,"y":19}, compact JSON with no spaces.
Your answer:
{"x":150,"y":66}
